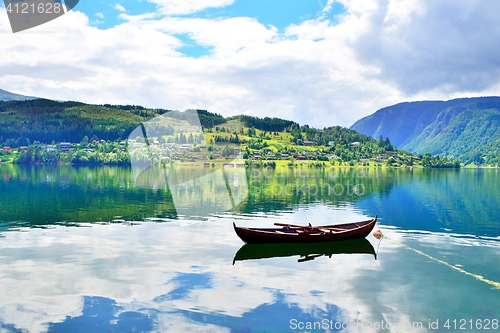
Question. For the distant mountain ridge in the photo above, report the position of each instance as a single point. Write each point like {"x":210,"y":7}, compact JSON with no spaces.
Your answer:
{"x":8,"y":96}
{"x":467,"y":129}
{"x":26,"y":125}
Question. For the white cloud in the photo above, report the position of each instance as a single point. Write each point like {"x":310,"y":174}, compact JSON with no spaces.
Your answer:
{"x":179,"y":7}
{"x":119,"y":7}
{"x":226,"y":36}
{"x":47,"y":272}
{"x":428,"y":45}
{"x":317,"y":72}
{"x":328,"y":7}
{"x":399,"y":12}
{"x":62,"y":266}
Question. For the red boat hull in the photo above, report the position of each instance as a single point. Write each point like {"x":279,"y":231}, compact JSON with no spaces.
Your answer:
{"x":354,"y":230}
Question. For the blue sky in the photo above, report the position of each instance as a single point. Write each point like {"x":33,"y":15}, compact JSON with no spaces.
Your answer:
{"x":277,"y":13}
{"x":105,"y":14}
{"x":317,"y":62}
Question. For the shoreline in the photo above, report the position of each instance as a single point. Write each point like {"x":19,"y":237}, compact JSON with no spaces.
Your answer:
{"x":280,"y":164}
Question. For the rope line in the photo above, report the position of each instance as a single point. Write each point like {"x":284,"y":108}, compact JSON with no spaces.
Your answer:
{"x":478,"y":277}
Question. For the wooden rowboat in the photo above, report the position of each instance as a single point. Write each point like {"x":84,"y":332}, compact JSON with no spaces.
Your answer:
{"x":290,"y":233}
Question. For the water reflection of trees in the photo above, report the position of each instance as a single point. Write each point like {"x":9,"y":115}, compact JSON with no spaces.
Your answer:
{"x":462,"y":201}
{"x":50,"y":194}
{"x":274,"y":190}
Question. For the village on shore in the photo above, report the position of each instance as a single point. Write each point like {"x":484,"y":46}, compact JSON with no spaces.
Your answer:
{"x":264,"y":149}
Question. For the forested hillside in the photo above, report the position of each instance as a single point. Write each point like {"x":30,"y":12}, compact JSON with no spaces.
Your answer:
{"x":467,"y":129}
{"x":23,"y":122}
{"x":46,"y":121}
{"x":266,"y":124}
{"x":46,"y":131}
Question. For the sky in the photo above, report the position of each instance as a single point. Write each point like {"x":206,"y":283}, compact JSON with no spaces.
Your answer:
{"x":317,"y":62}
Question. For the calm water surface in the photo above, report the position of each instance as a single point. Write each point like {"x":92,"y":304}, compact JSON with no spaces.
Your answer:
{"x":88,"y":250}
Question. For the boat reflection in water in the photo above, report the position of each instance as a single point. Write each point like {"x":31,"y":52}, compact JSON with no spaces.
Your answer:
{"x":306,"y":251}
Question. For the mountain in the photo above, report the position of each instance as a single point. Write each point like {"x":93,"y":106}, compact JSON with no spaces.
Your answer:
{"x":467,"y":129}
{"x":8,"y":96}
{"x":46,"y":121}
{"x":28,"y":123}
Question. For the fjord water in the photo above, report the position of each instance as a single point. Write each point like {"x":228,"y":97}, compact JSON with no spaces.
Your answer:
{"x":88,"y":250}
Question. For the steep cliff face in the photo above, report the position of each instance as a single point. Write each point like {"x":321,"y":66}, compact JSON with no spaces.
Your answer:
{"x":455,"y":128}
{"x":399,"y":122}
